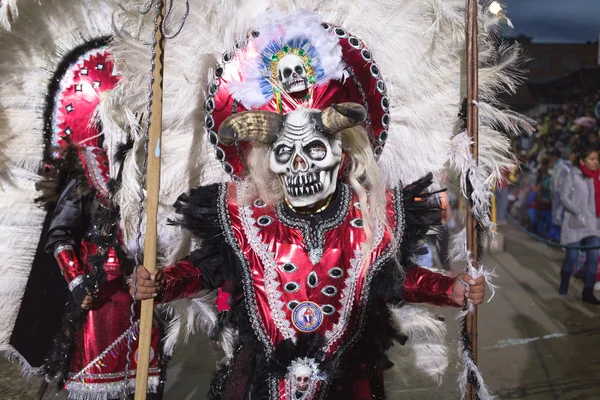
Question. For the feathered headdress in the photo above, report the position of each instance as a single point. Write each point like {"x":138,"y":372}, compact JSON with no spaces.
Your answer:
{"x":419,"y":48}
{"x":55,"y":67}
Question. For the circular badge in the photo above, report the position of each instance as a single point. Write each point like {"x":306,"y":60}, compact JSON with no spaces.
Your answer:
{"x":307,"y":316}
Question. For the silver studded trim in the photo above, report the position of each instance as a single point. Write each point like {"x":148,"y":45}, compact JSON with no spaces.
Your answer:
{"x":294,"y":290}
{"x":75,"y":282}
{"x":314,"y":237}
{"x":364,"y":298}
{"x":325,"y":312}
{"x":113,"y":375}
{"x":334,"y":276}
{"x":271,"y":278}
{"x":357,"y":223}
{"x":61,"y":248}
{"x":109,"y":390}
{"x":130,"y":331}
{"x":313,"y":273}
{"x":264,"y":220}
{"x":333,"y":293}
{"x":98,"y":180}
{"x":349,"y":291}
{"x":295,"y":268}
{"x":363,"y":95}
{"x":258,"y":203}
{"x":248,"y":283}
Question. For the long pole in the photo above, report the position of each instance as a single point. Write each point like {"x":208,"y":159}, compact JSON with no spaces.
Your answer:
{"x":473,"y":132}
{"x":152,"y":190}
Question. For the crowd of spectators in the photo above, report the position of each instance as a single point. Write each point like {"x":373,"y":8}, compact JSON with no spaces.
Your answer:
{"x":545,"y":156}
{"x":566,"y":136}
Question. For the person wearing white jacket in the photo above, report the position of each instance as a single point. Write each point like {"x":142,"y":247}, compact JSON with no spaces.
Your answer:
{"x":580,"y":196}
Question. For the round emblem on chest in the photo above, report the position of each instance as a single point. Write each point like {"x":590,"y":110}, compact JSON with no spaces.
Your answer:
{"x":307,"y":316}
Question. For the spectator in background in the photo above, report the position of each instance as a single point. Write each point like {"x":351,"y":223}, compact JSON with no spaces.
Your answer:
{"x":580,"y":196}
{"x":502,"y":198}
{"x":542,"y":205}
{"x":559,"y":173}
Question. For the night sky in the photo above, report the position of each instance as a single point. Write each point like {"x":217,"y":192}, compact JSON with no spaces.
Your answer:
{"x":555,"y":20}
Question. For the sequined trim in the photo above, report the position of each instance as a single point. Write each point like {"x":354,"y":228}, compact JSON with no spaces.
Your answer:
{"x":329,"y":291}
{"x":130,"y":331}
{"x":274,"y":388}
{"x":364,"y":299}
{"x":113,"y":375}
{"x":289,"y":268}
{"x":106,"y":391}
{"x":331,"y":309}
{"x":61,"y":248}
{"x":271,"y":277}
{"x":348,"y":293}
{"x":95,"y":175}
{"x":336,"y":272}
{"x":75,"y":282}
{"x":249,"y":295}
{"x":314,"y":238}
{"x":315,"y":277}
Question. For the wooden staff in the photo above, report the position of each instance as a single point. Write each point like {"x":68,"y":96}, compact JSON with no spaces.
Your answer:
{"x":152,"y":190}
{"x":472,"y":68}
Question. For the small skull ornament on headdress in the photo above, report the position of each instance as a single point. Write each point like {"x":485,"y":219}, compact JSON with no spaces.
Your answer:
{"x":291,"y":74}
{"x":306,"y":146}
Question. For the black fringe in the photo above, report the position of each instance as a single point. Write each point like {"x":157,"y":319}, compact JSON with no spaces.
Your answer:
{"x":199,"y":213}
{"x":58,"y":361}
{"x":422,"y":213}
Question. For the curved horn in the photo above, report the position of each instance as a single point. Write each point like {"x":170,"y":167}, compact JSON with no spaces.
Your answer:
{"x":250,"y":126}
{"x":341,"y":116}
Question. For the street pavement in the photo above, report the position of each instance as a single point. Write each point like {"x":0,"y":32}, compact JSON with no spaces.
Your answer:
{"x":533,"y":343}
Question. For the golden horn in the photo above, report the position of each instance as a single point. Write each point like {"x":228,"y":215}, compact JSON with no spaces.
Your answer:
{"x":249,"y":126}
{"x":341,"y":116}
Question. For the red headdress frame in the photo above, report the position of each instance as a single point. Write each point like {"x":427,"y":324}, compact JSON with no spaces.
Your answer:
{"x":362,"y":83}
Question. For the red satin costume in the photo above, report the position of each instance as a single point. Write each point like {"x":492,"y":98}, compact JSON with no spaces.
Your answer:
{"x":286,"y":261}
{"x":97,"y":369}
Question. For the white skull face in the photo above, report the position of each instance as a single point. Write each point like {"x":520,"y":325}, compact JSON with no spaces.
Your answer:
{"x":292,"y":74}
{"x":302,"y":376}
{"x":306,"y":161}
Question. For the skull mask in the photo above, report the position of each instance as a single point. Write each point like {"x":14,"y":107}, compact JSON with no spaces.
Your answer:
{"x":302,"y":377}
{"x":306,"y":146}
{"x":305,"y":160}
{"x":292,"y":74}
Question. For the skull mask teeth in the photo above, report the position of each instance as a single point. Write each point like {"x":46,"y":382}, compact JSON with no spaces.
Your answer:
{"x":304,"y":185}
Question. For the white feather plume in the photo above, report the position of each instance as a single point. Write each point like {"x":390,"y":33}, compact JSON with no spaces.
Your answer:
{"x":29,"y":54}
{"x":8,"y":13}
{"x":424,"y":355}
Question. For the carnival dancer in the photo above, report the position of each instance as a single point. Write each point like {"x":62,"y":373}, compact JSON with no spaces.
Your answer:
{"x":53,"y":84}
{"x":313,"y":245}
{"x":90,"y":352}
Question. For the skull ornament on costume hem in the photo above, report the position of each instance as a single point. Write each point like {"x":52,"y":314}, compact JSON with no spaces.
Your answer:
{"x":302,"y":377}
{"x":306,"y":146}
{"x":291,"y":74}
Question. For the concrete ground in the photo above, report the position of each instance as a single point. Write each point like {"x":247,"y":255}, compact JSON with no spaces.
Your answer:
{"x":533,"y":343}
